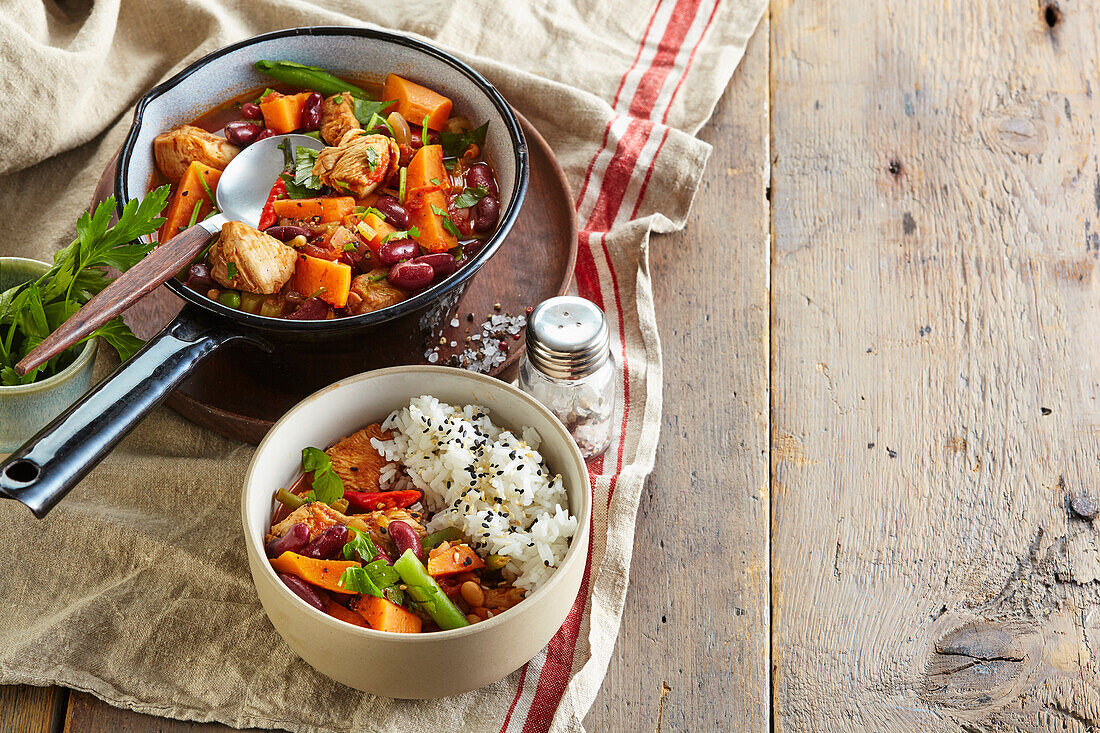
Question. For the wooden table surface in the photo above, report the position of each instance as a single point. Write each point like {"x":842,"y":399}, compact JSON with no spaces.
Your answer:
{"x":881,"y":445}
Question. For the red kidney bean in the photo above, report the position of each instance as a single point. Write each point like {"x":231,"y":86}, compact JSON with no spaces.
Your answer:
{"x":471,"y":248}
{"x":411,"y":275}
{"x":242,"y":133}
{"x":396,"y":250}
{"x":404,"y":538}
{"x":331,"y":541}
{"x":251,"y":111}
{"x":351,"y":259}
{"x":264,"y":134}
{"x":198,"y":277}
{"x":488,"y":213}
{"x":303,"y":590}
{"x":394,"y":212}
{"x":286,"y":232}
{"x":295,"y":539}
{"x":443,"y":264}
{"x":480,"y":174}
{"x":381,"y":130}
{"x":313,"y":309}
{"x":311,"y":112}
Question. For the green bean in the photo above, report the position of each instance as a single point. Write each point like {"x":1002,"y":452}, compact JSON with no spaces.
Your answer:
{"x":449,"y":534}
{"x":423,"y":589}
{"x":309,"y":77}
{"x":496,"y":562}
{"x":292,"y":501}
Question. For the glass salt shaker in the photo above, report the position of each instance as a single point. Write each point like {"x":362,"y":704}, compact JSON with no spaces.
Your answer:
{"x":567,"y":367}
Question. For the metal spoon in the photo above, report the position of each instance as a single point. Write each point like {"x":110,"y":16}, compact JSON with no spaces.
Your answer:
{"x":242,"y":192}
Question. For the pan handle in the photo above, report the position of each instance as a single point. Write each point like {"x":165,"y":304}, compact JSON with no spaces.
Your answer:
{"x":41,"y":471}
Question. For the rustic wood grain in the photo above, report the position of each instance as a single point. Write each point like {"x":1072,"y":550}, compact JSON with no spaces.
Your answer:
{"x":26,"y":709}
{"x":936,"y":226}
{"x":692,"y":652}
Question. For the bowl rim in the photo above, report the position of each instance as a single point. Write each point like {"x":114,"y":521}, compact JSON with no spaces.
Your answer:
{"x":410,"y":305}
{"x":83,"y":357}
{"x":573,"y":555}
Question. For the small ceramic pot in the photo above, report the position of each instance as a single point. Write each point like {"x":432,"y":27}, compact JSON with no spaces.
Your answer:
{"x":26,"y":408}
{"x":411,"y":665}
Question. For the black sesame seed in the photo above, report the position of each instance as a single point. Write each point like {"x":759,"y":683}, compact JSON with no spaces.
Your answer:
{"x":544,"y":562}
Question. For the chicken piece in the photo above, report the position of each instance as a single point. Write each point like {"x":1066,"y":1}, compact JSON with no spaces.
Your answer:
{"x":337,"y":117}
{"x":356,"y":461}
{"x":500,"y":599}
{"x":378,"y":521}
{"x":177,"y":149}
{"x":317,"y":515}
{"x":261,"y":263}
{"x":359,"y":164}
{"x":367,"y":296}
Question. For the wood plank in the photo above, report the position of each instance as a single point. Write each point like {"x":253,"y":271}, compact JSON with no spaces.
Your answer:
{"x":26,"y":709}
{"x":89,"y":714}
{"x":692,"y":653}
{"x":936,"y":230}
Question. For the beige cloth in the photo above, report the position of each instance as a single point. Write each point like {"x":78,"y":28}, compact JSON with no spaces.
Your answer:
{"x":136,"y":587}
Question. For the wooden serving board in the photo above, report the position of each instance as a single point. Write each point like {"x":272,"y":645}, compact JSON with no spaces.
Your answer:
{"x":232,"y":392}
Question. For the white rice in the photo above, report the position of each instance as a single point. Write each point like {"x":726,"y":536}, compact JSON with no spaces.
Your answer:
{"x":483,"y":480}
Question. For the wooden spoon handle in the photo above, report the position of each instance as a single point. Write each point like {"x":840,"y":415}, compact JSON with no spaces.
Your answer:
{"x":162,"y":263}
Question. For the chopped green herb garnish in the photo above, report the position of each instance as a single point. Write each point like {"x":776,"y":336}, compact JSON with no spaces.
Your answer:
{"x":350,"y":247}
{"x":375,"y":212}
{"x":360,"y":548}
{"x":401,"y":185}
{"x":425,"y":139}
{"x":304,"y":160}
{"x":372,"y":158}
{"x":231,"y":270}
{"x":403,"y":234}
{"x":364,"y":109}
{"x":435,"y":181}
{"x":378,"y":277}
{"x":327,"y":486}
{"x":450,"y":226}
{"x":338,"y":99}
{"x":438,"y":211}
{"x":265,"y":92}
{"x":209,"y":193}
{"x":194,"y":214}
{"x":357,"y":580}
{"x":470,"y":196}
{"x":376,"y":120}
{"x":455,"y":143}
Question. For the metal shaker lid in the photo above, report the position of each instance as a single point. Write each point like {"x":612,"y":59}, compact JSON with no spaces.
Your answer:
{"x":567,"y":337}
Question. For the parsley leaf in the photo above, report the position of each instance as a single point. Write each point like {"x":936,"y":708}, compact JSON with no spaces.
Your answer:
{"x":360,"y":548}
{"x":425,"y":140}
{"x":358,"y":580}
{"x":403,"y":234}
{"x":455,"y":143}
{"x":447,"y":223}
{"x":350,"y":247}
{"x":304,"y":159}
{"x":327,"y":486}
{"x":231,"y":270}
{"x":31,"y":311}
{"x":372,"y":157}
{"x":364,"y":108}
{"x":434,"y":181}
{"x":470,"y":196}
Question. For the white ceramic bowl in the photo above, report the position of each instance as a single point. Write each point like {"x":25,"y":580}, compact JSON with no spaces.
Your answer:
{"x":411,"y":665}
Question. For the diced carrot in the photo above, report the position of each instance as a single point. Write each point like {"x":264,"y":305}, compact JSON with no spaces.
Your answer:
{"x":283,"y":113}
{"x":311,"y":274}
{"x":455,"y":559}
{"x":189,"y":194}
{"x":426,"y":169}
{"x":383,"y":615}
{"x":334,"y":609}
{"x":433,"y":236}
{"x":323,"y":573}
{"x":373,"y":230}
{"x":330,"y":208}
{"x":414,"y":102}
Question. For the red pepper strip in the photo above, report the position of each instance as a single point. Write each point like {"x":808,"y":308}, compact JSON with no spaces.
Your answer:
{"x":371,"y":501}
{"x":268,"y":218}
